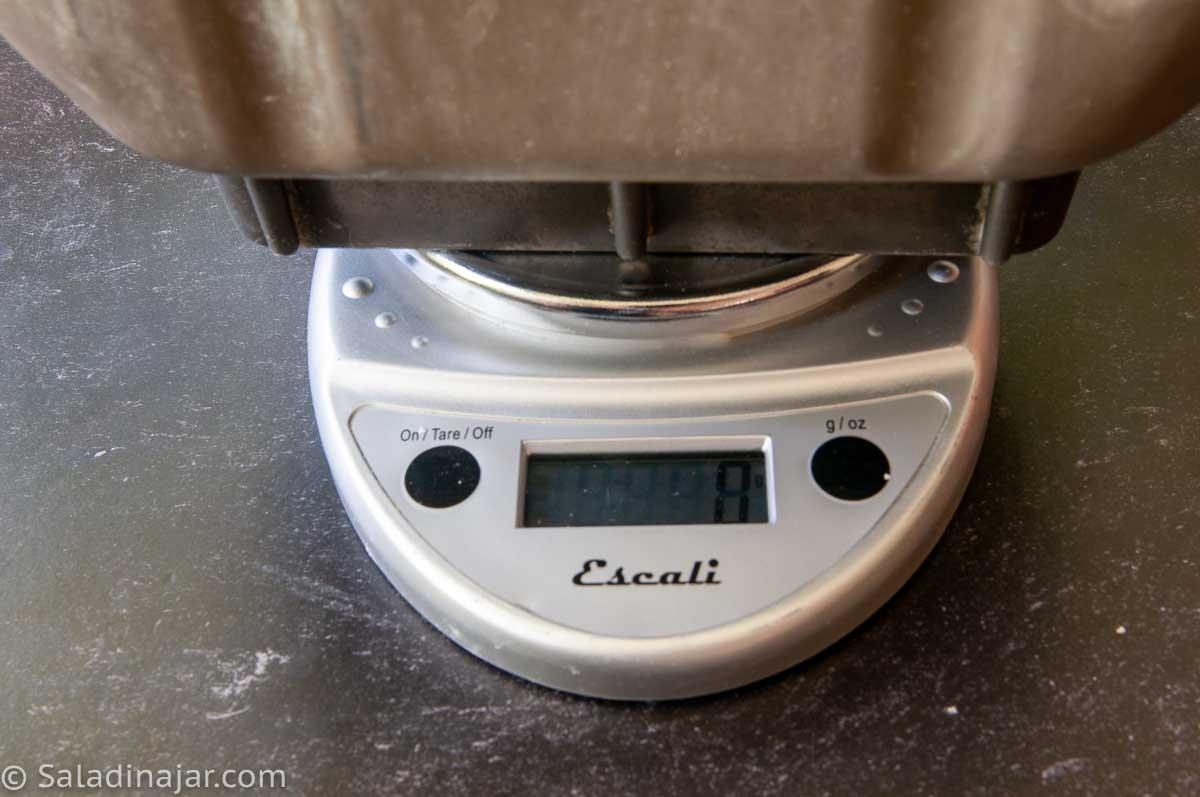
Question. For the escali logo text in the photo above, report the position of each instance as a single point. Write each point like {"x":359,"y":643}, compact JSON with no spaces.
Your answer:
{"x":595,"y":573}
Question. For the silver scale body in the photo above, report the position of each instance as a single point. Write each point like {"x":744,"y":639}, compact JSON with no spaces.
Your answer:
{"x":406,"y":340}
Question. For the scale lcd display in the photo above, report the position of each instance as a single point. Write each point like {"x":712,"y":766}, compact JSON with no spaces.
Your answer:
{"x":645,"y":489}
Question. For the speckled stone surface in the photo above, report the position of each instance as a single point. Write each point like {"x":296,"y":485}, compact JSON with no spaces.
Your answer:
{"x":180,"y":586}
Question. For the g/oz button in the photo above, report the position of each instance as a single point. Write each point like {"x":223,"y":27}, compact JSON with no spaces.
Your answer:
{"x":442,"y":476}
{"x":850,"y":468}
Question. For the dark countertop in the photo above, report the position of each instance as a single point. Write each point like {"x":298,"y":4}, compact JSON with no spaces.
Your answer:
{"x":180,"y":586}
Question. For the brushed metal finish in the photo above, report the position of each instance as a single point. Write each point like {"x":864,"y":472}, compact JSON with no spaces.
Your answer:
{"x":474,"y":366}
{"x":620,"y":89}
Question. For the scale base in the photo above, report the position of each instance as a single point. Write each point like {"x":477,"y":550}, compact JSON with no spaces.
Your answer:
{"x":407,"y":356}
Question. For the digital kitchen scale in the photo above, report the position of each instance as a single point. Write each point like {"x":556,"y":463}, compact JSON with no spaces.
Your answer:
{"x":653,"y":480}
{"x":593,"y":420}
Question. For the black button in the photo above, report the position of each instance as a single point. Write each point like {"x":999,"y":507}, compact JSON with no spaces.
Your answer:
{"x":442,"y":477}
{"x":850,"y":468}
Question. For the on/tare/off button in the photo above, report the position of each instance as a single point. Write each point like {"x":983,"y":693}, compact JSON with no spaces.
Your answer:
{"x":850,"y":468}
{"x":442,"y":476}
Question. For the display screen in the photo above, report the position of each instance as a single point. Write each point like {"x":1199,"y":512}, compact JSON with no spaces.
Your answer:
{"x":645,"y":489}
